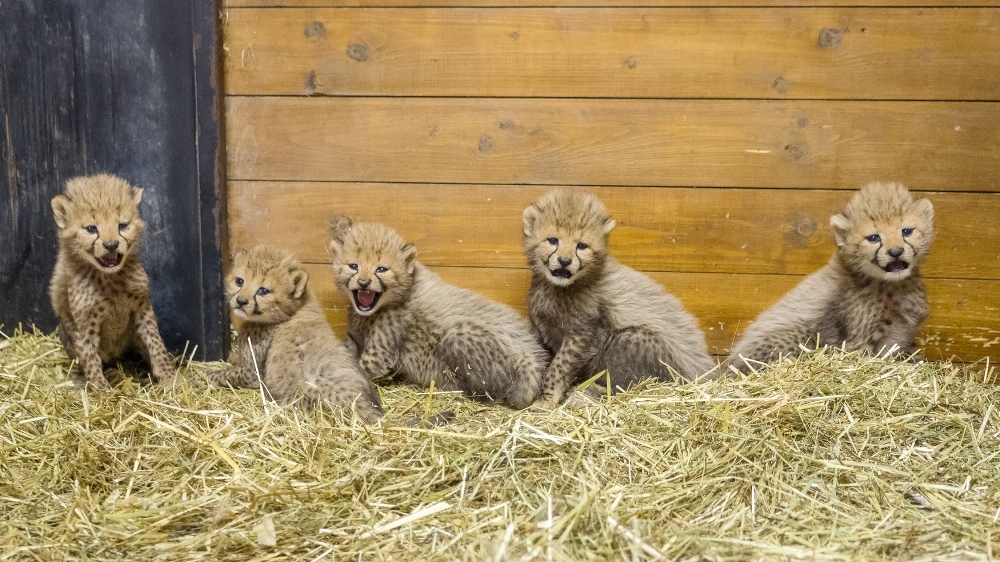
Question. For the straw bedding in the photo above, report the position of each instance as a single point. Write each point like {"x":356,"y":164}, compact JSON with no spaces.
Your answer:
{"x":831,"y":457}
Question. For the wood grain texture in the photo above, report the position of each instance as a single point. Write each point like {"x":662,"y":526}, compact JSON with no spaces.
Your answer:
{"x":963,"y":324}
{"x":941,"y":146}
{"x":794,"y":53}
{"x":659,"y":229}
{"x":446,"y":120}
{"x":598,"y":3}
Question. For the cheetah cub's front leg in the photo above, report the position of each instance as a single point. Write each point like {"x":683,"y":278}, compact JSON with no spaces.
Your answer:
{"x":160,"y":361}
{"x":86,"y":344}
{"x":380,"y":353}
{"x":567,"y":363}
{"x":244,"y":365}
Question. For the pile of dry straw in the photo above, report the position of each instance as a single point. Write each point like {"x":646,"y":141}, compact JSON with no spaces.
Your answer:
{"x":832,"y":457}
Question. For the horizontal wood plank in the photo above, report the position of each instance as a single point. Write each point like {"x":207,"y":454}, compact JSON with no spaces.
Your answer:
{"x":940,"y":146}
{"x":794,"y":53}
{"x":659,"y":229}
{"x":599,"y":3}
{"x":964,"y":321}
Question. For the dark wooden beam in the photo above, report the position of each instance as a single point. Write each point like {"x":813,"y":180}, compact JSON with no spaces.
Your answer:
{"x":129,"y":87}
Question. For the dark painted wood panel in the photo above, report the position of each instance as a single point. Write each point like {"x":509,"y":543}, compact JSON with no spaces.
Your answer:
{"x":108,"y":86}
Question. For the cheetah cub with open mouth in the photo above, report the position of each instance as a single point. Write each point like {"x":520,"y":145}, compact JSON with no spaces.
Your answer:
{"x":870,"y":297}
{"x":404,"y":318}
{"x":284,"y":341}
{"x":99,"y":290}
{"x":596,"y":314}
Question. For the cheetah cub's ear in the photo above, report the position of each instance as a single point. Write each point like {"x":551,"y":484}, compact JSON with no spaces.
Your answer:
{"x":925,"y":209}
{"x":840,"y":225}
{"x":530,"y":216}
{"x":61,"y":210}
{"x":136,"y":195}
{"x":299,"y":278}
{"x":236,"y":256}
{"x":409,"y":252}
{"x":608,"y":225}
{"x":340,"y":227}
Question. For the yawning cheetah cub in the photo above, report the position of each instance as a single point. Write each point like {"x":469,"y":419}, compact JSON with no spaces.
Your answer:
{"x":99,"y":290}
{"x":595,"y":313}
{"x":869,"y":297}
{"x":404,"y":318}
{"x":284,"y":340}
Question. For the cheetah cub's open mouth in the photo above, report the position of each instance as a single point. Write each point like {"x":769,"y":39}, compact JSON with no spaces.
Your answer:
{"x":366,"y":300}
{"x":561,"y":272}
{"x":896,"y":265}
{"x":111,"y":259}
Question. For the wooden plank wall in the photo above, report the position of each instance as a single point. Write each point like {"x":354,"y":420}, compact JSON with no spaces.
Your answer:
{"x":720,"y":137}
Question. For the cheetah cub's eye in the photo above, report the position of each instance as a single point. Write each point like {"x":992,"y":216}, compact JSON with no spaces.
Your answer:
{"x":238,"y":281}
{"x":263,"y":291}
{"x":907,"y":232}
{"x":553,"y":240}
{"x":582,"y":246}
{"x":381,"y":269}
{"x":91,"y":229}
{"x":353,"y":266}
{"x":873,"y":238}
{"x":122,"y":226}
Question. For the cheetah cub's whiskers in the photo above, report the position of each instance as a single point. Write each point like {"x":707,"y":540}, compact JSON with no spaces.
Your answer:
{"x":99,"y":290}
{"x":284,"y":341}
{"x":870,"y":297}
{"x":404,"y":318}
{"x":596,"y":314}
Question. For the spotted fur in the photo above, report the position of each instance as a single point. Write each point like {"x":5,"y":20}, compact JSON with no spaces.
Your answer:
{"x":870,"y":297}
{"x":404,"y":318}
{"x":99,"y":290}
{"x":596,"y":314}
{"x":284,"y":341}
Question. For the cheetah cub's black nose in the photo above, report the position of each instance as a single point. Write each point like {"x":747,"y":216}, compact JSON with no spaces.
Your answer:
{"x":565,"y":261}
{"x":364,"y":284}
{"x":241,"y":301}
{"x":896,"y":252}
{"x":111,"y":244}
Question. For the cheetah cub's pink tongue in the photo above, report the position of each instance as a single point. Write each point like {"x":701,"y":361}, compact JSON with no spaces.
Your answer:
{"x":366,"y":298}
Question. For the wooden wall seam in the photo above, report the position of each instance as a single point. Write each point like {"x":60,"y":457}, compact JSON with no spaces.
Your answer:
{"x":421,"y":4}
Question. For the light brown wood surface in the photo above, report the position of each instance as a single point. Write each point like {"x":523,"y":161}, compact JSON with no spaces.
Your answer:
{"x":724,"y":143}
{"x":830,"y":53}
{"x":962,"y":321}
{"x":720,"y":137}
{"x":627,"y":3}
{"x":659,"y":229}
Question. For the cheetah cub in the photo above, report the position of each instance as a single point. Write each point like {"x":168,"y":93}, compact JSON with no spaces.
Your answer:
{"x":596,"y":314}
{"x":870,"y":296}
{"x":99,"y":290}
{"x":284,"y":341}
{"x":404,"y":318}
